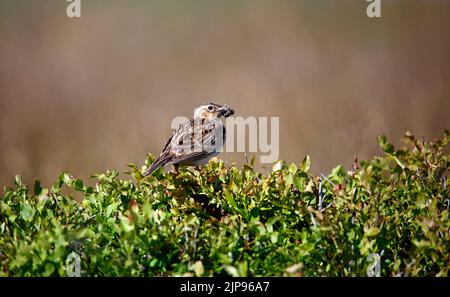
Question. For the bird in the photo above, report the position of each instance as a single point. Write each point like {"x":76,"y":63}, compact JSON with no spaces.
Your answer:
{"x":194,"y":142}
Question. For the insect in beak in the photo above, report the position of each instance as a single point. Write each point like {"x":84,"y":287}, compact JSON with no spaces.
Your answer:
{"x":225,"y":111}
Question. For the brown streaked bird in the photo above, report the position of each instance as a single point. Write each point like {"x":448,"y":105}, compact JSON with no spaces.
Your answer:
{"x":195,"y":142}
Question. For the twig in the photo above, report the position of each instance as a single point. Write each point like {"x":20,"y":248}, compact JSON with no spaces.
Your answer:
{"x":186,"y":236}
{"x":448,"y":206}
{"x":328,"y":206}
{"x":320,"y":194}
{"x":195,"y":241}
{"x":313,"y":220}
{"x":324,"y":177}
{"x":56,"y":200}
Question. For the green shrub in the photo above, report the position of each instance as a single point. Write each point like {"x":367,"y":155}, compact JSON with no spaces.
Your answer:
{"x":229,"y":221}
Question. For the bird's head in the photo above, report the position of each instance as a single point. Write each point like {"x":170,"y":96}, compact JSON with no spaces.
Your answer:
{"x":212,"y":111}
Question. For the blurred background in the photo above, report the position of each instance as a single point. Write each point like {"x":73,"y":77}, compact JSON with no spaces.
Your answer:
{"x":91,"y":94}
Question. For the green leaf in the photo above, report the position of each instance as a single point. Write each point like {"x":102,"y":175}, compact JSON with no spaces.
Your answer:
{"x":337,"y":174}
{"x":254,"y":214}
{"x":231,"y":270}
{"x":37,"y":188}
{"x":111,"y":208}
{"x":300,"y":180}
{"x":199,"y":269}
{"x":385,"y":146}
{"x":306,"y":164}
{"x":370,"y":232}
{"x":293,"y":168}
{"x":26,"y":212}
{"x":79,"y":186}
{"x":230,"y":200}
{"x":274,"y":237}
{"x":18,"y":181}
{"x":242,"y":268}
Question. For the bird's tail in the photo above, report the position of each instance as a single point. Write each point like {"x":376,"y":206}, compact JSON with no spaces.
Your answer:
{"x":158,"y":163}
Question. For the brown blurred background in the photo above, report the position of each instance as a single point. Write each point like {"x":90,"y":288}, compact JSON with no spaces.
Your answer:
{"x":91,"y":94}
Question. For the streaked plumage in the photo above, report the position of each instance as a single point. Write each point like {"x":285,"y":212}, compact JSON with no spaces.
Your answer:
{"x":195,"y":142}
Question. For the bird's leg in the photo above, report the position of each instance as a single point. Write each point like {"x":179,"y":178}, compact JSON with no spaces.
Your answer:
{"x":175,"y":168}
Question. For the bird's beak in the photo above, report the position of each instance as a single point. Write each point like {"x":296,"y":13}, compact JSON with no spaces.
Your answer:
{"x":225,"y":111}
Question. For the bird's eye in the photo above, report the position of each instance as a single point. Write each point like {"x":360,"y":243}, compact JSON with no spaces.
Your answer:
{"x":210,"y":107}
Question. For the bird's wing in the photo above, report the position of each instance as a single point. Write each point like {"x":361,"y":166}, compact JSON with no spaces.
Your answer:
{"x":192,"y":141}
{"x":196,"y":137}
